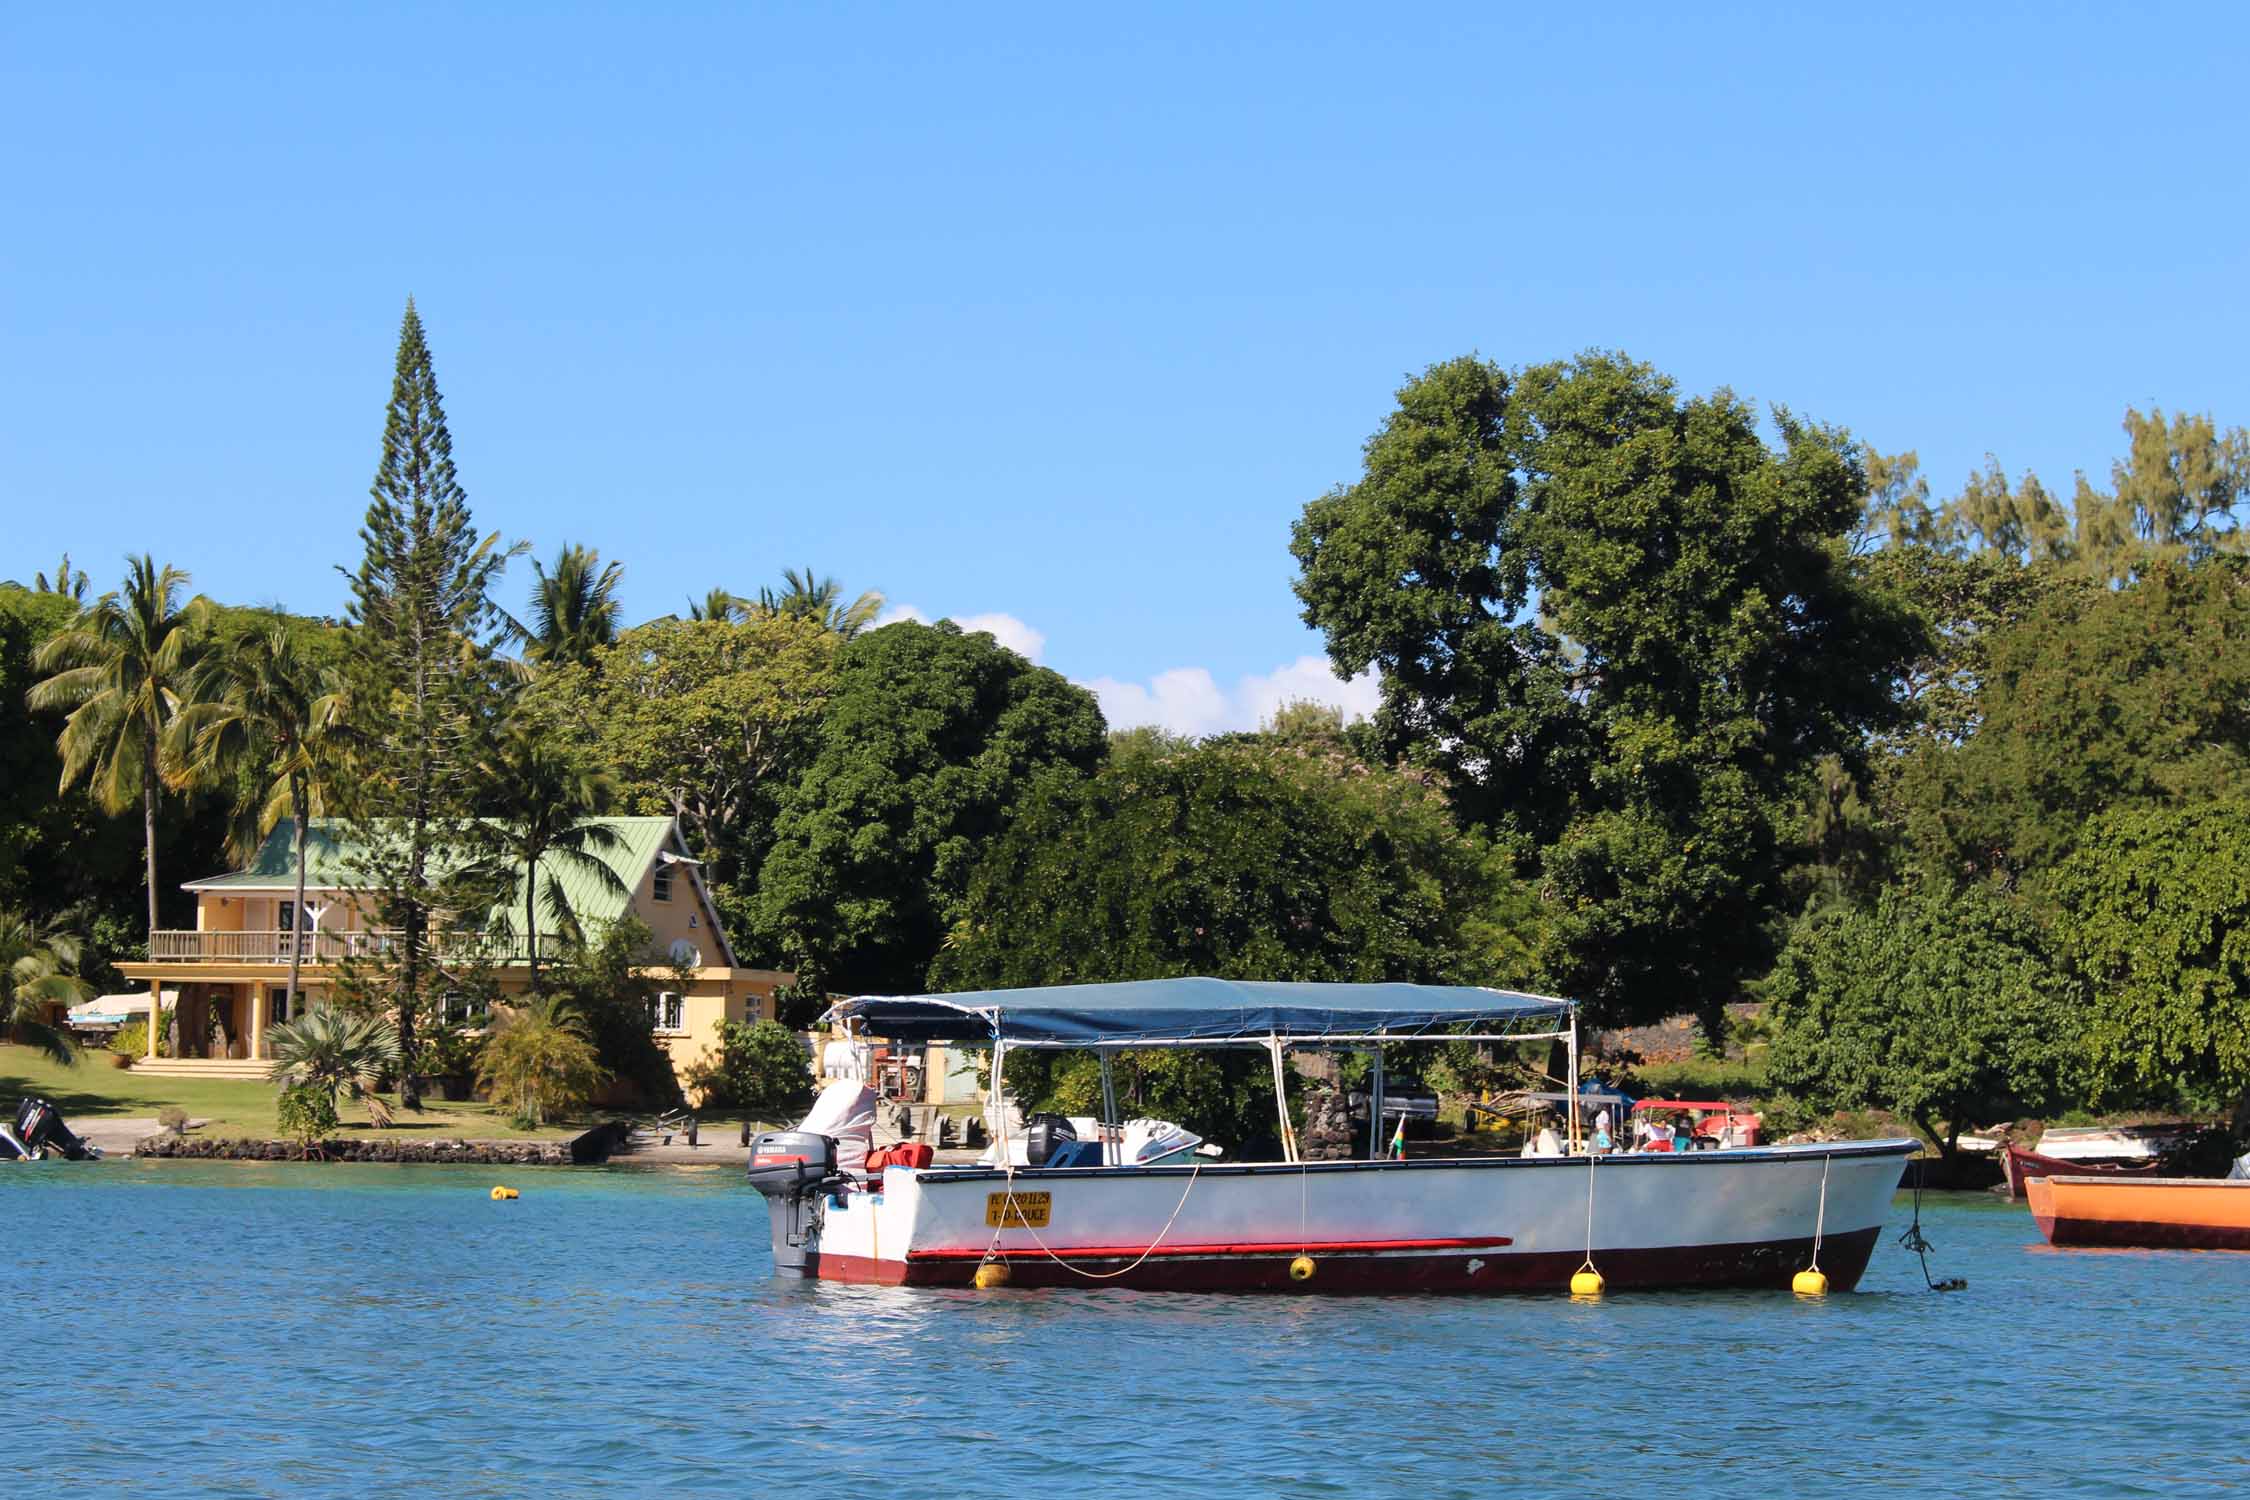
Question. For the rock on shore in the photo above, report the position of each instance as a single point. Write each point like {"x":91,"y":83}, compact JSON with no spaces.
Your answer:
{"x":472,"y":1153}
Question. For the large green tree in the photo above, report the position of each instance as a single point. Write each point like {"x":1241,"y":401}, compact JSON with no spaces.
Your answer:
{"x":924,"y":751}
{"x":2153,"y":908}
{"x":424,"y":628}
{"x":1940,"y":1004}
{"x":2098,"y":699}
{"x":1626,"y":629}
{"x":120,"y":671}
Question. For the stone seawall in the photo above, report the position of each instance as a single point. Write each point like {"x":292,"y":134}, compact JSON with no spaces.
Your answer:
{"x":467,"y":1153}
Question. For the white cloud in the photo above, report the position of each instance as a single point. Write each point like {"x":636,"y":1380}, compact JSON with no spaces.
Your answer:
{"x":1189,"y":700}
{"x":1006,"y":629}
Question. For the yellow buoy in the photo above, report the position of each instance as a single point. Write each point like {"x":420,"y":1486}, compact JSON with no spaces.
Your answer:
{"x":1809,"y":1284}
{"x":991,"y":1274}
{"x":1586,"y":1282}
{"x":502,"y":1194}
{"x":1302,"y":1268}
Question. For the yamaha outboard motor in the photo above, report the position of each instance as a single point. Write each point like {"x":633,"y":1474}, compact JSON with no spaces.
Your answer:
{"x":795,"y":1169}
{"x":1043,"y":1136}
{"x":40,"y":1129}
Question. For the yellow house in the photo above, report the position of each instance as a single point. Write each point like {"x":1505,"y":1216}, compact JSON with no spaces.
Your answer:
{"x":231,"y":971}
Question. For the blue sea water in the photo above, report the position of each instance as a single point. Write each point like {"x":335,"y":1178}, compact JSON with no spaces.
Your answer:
{"x":189,"y":1329}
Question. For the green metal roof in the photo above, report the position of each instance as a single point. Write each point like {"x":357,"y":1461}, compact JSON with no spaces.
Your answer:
{"x":330,"y":865}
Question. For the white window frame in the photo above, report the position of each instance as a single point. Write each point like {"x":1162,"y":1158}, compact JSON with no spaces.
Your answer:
{"x":457,"y":1008}
{"x":669,"y":1013}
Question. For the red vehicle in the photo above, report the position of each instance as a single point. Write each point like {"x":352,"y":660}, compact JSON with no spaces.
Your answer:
{"x":1709,"y":1124}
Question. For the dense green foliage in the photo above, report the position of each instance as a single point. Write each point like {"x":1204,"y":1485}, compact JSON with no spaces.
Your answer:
{"x":1943,"y":1006}
{"x":759,"y":1067}
{"x":1625,"y":629}
{"x":305,"y":1113}
{"x":1241,"y":860}
{"x":2154,"y":911}
{"x":925,"y":749}
{"x":539,"y":1062}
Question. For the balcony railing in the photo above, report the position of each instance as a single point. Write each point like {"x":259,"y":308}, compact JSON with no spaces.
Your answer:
{"x":334,"y":947}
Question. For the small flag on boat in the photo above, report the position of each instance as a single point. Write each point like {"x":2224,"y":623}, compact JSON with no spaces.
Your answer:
{"x":1398,"y":1138}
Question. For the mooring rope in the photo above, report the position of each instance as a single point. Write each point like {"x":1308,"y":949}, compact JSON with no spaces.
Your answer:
{"x":1588,"y":1263}
{"x":1820,"y":1219}
{"x":1025,"y":1226}
{"x":1912,"y":1238}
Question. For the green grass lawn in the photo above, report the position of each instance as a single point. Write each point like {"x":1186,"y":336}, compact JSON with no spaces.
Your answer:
{"x":92,"y":1087}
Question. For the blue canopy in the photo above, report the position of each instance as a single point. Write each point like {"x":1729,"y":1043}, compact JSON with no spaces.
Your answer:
{"x":1206,"y":1010}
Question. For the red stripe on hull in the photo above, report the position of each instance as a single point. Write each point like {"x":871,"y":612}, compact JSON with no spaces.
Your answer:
{"x":1767,"y":1264}
{"x":2135,"y":1235}
{"x":975,"y":1254}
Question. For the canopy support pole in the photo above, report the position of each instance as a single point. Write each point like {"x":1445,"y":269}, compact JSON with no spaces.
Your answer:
{"x":1375,"y":1107}
{"x":1112,"y":1137}
{"x":1573,"y":1047}
{"x":1000,"y":1103}
{"x":1281,"y":1101}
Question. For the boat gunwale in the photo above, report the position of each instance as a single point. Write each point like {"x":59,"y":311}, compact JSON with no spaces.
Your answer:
{"x":2122,"y":1180}
{"x":943,"y":1176}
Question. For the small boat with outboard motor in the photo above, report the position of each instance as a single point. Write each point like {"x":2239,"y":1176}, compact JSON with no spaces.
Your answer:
{"x":38,"y":1131}
{"x":1146,"y":1205}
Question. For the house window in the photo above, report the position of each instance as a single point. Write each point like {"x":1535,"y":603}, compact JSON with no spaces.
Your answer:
{"x":277,"y":1006}
{"x":464,"y":1010}
{"x":669,"y":1013}
{"x":662,"y":887}
{"x":285,"y":915}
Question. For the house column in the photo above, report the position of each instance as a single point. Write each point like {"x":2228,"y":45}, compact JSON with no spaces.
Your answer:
{"x":257,"y":1020}
{"x":155,"y":1013}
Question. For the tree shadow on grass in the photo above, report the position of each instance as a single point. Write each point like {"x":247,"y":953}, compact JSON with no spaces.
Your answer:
{"x":68,"y":1101}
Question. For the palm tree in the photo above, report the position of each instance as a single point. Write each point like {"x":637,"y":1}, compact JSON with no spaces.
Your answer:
{"x":804,"y":596}
{"x":574,"y":610}
{"x":539,"y":1062}
{"x":718,"y":605}
{"x":542,"y":807}
{"x":119,"y":671}
{"x":259,"y":705}
{"x":40,"y":965}
{"x":70,"y":583}
{"x":341,"y":1053}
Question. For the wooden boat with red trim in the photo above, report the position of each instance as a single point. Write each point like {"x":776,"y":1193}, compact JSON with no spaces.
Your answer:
{"x":2167,"y":1213}
{"x":1750,"y":1217}
{"x":2020,"y":1166}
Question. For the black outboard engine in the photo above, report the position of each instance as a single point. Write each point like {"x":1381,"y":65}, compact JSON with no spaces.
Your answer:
{"x":1042,"y":1134}
{"x":40,"y":1129}
{"x":795,"y":1169}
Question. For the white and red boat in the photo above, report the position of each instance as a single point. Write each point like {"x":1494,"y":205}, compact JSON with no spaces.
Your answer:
{"x":1722,"y":1218}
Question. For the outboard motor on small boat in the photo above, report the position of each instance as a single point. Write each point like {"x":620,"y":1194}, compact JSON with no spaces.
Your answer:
{"x":1043,"y":1135}
{"x":795,"y":1169}
{"x":40,"y":1131}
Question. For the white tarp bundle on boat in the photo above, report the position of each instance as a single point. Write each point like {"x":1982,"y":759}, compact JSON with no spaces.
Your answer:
{"x":845,"y":1110}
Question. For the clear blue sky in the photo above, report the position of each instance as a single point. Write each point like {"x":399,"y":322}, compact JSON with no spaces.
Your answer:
{"x":1059,"y":313}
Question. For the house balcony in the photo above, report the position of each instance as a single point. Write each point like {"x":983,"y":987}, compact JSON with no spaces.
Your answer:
{"x":316,"y":948}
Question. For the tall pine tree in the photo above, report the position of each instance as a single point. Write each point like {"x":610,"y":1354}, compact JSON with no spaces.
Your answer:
{"x":425,"y":631}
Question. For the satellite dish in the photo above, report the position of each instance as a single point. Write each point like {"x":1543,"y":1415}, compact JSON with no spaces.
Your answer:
{"x":686,"y":955}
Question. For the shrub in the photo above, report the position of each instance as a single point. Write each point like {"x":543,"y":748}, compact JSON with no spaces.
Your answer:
{"x":306,"y":1113}
{"x":132,"y":1038}
{"x":540,"y":1063}
{"x":760,"y":1068}
{"x":173,"y":1118}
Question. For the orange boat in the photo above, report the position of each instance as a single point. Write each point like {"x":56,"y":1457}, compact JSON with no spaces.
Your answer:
{"x":2171,"y":1213}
